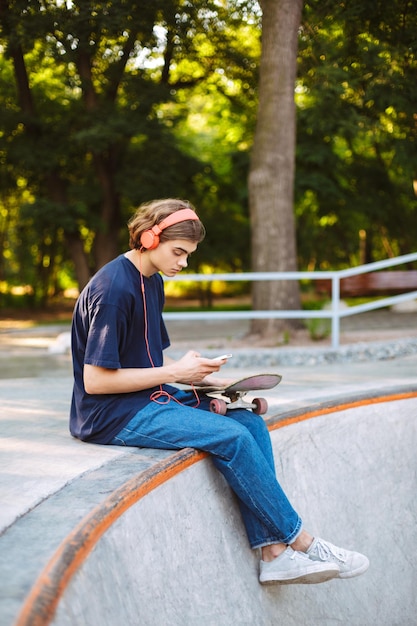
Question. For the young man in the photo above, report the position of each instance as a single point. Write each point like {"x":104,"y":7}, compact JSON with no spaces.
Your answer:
{"x":123,"y":394}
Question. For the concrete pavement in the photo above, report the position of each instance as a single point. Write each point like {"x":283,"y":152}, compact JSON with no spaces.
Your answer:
{"x":50,"y":483}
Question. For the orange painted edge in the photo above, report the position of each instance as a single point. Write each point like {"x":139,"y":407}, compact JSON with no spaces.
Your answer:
{"x":41,"y":603}
{"x":301,"y":415}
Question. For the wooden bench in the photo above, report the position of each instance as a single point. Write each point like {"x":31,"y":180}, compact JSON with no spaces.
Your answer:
{"x":372,"y":284}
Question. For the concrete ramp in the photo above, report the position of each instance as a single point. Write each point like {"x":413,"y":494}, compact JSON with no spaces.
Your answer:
{"x":168,"y":547}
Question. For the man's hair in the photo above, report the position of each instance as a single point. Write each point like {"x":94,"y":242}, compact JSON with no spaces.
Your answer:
{"x":151,"y":213}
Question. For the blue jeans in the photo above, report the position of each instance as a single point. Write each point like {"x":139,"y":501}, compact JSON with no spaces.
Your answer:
{"x":240,"y":447}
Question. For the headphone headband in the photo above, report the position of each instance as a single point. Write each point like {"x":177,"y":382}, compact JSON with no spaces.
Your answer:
{"x":150,"y":238}
{"x":174,"y":218}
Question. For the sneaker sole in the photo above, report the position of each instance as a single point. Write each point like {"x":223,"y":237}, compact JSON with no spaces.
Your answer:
{"x":306,"y":578}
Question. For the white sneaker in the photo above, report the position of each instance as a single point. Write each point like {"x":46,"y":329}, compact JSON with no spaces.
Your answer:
{"x":350,"y":563}
{"x":293,"y":567}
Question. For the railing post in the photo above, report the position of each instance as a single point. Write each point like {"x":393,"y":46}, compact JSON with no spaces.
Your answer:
{"x":335,"y":311}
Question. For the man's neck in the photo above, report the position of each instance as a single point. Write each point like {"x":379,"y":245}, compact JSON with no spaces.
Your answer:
{"x":139,"y":260}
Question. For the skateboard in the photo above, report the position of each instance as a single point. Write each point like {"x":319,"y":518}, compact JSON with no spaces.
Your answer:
{"x":231,"y":396}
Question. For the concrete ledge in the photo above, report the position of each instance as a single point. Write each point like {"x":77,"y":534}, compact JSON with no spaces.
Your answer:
{"x":167,"y":546}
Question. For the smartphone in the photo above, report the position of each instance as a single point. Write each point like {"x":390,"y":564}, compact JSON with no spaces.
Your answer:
{"x":222,"y":357}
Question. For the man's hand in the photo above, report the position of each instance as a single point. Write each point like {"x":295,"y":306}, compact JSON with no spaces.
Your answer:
{"x":216,"y":381}
{"x":192,"y":367}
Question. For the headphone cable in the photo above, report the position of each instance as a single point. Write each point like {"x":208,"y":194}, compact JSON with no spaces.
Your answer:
{"x":160,"y":393}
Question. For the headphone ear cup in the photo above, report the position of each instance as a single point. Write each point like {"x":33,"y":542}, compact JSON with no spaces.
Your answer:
{"x":149,"y":240}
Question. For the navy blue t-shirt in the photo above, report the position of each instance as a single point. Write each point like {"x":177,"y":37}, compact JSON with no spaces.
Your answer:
{"x":108,"y":330}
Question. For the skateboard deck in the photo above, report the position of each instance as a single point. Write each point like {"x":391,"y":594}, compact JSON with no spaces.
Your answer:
{"x":231,"y":396}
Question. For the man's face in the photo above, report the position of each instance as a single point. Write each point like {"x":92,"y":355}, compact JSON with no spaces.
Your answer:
{"x":171,"y":256}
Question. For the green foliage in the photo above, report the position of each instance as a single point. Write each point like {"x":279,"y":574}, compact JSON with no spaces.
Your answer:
{"x":108,"y":104}
{"x":356,"y":97}
{"x":98,"y":100}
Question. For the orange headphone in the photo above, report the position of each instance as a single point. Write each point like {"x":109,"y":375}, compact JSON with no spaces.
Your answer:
{"x":149,"y":239}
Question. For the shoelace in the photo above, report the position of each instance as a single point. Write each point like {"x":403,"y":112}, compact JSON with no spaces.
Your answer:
{"x":324,"y":550}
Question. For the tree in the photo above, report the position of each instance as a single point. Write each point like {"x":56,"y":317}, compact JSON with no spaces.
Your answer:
{"x":356,"y":97}
{"x":107,"y":104}
{"x":271,"y":177}
{"x":91,"y":128}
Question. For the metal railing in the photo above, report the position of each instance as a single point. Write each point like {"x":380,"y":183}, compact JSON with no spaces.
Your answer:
{"x":335,"y":313}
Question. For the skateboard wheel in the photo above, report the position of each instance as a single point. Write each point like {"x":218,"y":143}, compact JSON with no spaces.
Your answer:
{"x":261,"y":406}
{"x":218,"y":406}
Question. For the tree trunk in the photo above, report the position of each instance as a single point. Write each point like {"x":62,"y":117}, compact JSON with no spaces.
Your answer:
{"x":106,"y":237}
{"x":271,"y":177}
{"x":106,"y":240}
{"x":77,"y":254}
